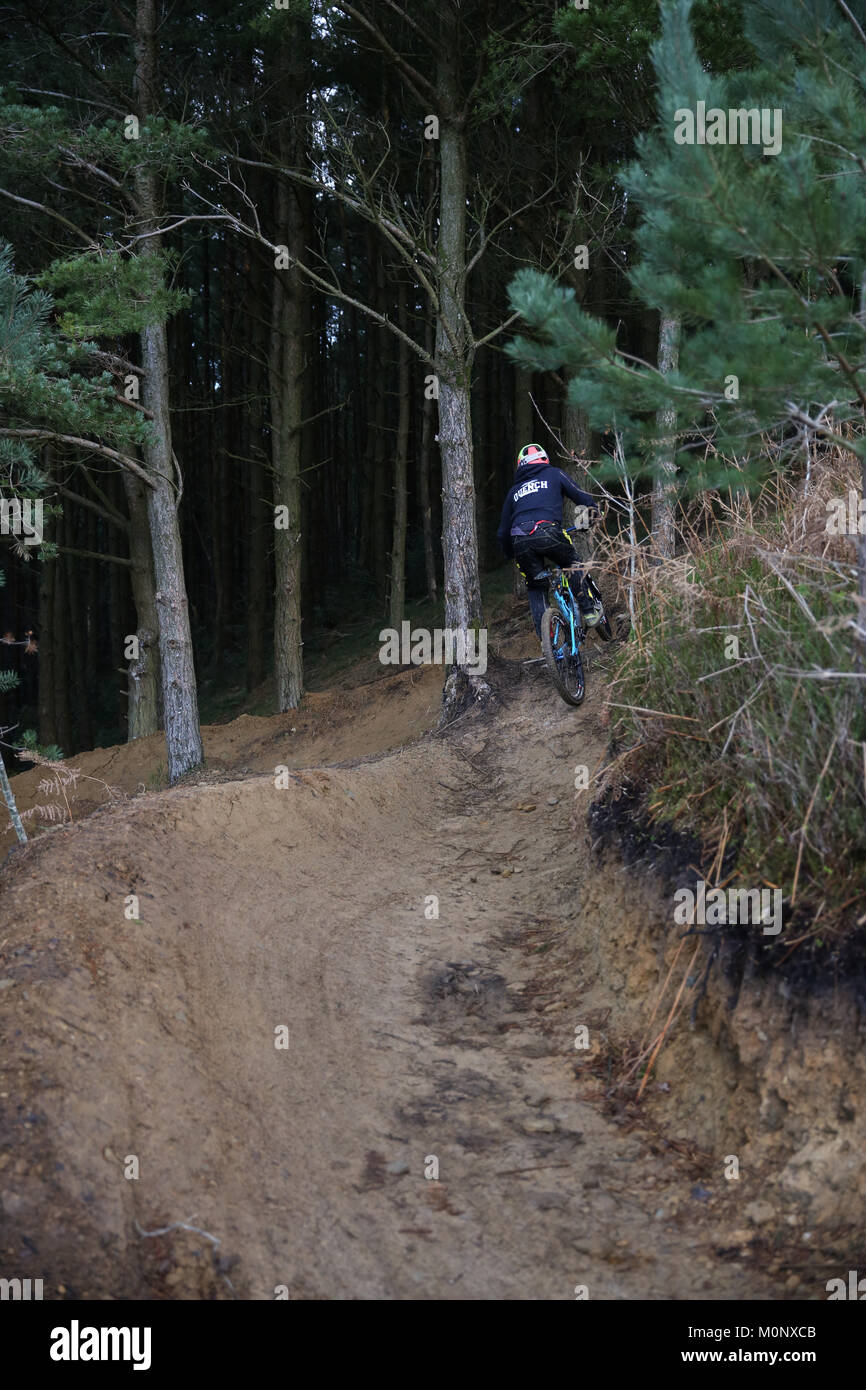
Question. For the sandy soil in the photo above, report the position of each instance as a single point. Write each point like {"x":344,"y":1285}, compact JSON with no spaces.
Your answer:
{"x":414,"y":1040}
{"x":382,"y":714}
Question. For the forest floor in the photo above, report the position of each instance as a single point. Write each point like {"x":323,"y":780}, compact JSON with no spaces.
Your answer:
{"x":412,"y":1040}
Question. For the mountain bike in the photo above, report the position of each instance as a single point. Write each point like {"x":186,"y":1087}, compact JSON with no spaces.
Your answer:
{"x":563,"y":633}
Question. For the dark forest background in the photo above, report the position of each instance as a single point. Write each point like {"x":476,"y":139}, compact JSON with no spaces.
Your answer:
{"x":549,"y":100}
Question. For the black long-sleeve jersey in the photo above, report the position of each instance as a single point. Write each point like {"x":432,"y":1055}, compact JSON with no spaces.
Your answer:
{"x":536,"y":495}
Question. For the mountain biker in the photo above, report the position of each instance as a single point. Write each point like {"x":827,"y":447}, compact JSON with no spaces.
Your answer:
{"x":532,"y":530}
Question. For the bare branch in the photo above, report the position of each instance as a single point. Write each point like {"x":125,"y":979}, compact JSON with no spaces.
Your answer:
{"x":50,"y":212}
{"x":95,"y":555}
{"x":88,"y":445}
{"x":494,"y":332}
{"x":328,"y":287}
{"x":94,"y":169}
{"x":853,"y":21}
{"x":409,"y":248}
{"x":424,"y":90}
{"x":112,"y":517}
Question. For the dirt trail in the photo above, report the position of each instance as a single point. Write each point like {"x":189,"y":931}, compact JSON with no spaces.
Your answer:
{"x":409,"y":1039}
{"x":373,"y":717}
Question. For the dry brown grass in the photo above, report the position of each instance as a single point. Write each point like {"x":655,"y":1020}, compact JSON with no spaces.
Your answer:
{"x":737,"y":706}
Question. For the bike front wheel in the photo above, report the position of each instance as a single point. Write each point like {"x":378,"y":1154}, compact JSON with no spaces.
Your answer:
{"x":566,"y":666}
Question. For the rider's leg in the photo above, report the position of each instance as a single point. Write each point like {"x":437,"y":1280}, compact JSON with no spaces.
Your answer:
{"x":533,"y":571}
{"x":536,"y":590}
{"x":587,"y":605}
{"x":554,"y":545}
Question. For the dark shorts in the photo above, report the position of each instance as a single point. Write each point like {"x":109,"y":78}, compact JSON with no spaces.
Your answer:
{"x":548,"y":544}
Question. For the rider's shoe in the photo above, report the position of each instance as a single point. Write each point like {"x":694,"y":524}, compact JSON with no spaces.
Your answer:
{"x":592,"y":614}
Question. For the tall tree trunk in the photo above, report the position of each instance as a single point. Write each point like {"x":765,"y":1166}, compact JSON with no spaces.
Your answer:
{"x":180,"y":701}
{"x":383,"y":366}
{"x":47,"y":717}
{"x":575,"y":436}
{"x":664,"y":487}
{"x":221,"y":479}
{"x":260,"y":529}
{"x":311,"y":442}
{"x":425,"y":465}
{"x":351,"y":419}
{"x":524,"y":430}
{"x":143,"y":671}
{"x":216,"y":484}
{"x":96,"y":586}
{"x":454,"y":350}
{"x":77,"y":623}
{"x":286,"y":375}
{"x":522,"y":435}
{"x":371,"y":396}
{"x":481,"y":462}
{"x":60,"y":639}
{"x":401,"y":459}
{"x":118,"y":593}
{"x":47,"y":580}
{"x":495,"y":432}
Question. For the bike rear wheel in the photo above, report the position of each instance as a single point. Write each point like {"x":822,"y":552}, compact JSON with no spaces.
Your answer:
{"x":566,"y":667}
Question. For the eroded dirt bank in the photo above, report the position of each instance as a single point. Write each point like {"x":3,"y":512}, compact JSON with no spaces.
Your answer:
{"x":411,"y":1039}
{"x":763,"y":1063}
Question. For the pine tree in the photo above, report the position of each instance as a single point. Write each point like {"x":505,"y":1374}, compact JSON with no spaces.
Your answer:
{"x":116,"y":285}
{"x":759,"y":251}
{"x":51,"y":385}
